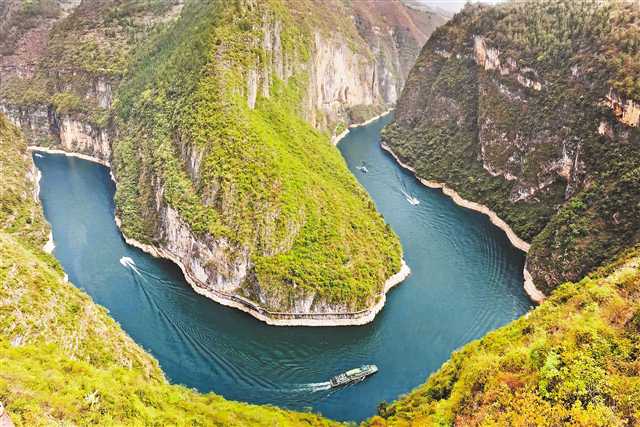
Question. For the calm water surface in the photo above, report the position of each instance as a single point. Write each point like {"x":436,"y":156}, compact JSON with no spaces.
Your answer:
{"x":466,"y":281}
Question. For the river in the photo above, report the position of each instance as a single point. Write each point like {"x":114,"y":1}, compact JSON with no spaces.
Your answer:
{"x":466,"y":280}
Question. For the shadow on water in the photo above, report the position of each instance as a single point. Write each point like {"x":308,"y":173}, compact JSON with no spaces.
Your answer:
{"x":466,"y":280}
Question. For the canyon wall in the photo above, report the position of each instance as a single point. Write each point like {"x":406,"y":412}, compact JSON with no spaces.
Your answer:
{"x":508,"y":112}
{"x":353,"y":74}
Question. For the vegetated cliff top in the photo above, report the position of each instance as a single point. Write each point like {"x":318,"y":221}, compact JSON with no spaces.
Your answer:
{"x":532,"y":109}
{"x":258,"y":176}
{"x":64,"y":359}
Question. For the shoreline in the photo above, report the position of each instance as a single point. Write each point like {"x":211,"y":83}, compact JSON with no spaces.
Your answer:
{"x":359,"y":318}
{"x":337,"y":138}
{"x":69,"y":154}
{"x":534,"y":293}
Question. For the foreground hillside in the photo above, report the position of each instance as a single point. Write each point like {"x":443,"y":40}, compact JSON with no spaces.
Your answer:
{"x":530,"y":108}
{"x":63,"y":359}
{"x":572,"y":361}
{"x":217,"y":117}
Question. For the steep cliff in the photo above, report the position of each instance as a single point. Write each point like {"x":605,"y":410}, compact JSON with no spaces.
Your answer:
{"x":529,"y":108}
{"x":62,"y":60}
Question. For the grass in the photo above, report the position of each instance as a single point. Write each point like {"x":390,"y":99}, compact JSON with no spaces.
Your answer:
{"x":572,"y":361}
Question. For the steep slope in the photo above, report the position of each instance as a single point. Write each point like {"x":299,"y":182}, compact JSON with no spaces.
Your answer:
{"x":207,"y":110}
{"x":62,"y":60}
{"x":572,"y":361}
{"x":528,"y":107}
{"x":285,"y":225}
{"x":63,"y":359}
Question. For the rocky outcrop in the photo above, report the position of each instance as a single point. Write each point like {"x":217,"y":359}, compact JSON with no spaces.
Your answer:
{"x":34,"y":121}
{"x":489,"y":59}
{"x":81,"y":137}
{"x":340,"y":79}
{"x":626,"y":111}
{"x":44,"y":127}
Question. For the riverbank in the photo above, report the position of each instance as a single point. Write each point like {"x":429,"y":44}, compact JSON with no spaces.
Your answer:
{"x":534,"y":293}
{"x":337,"y":138}
{"x":271,"y":318}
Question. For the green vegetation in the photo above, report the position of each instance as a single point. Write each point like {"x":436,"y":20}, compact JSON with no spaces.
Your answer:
{"x":93,"y":45}
{"x":572,"y":361}
{"x":266,"y":181}
{"x":20,"y":213}
{"x":17,"y":18}
{"x":571,"y":191}
{"x":64,"y":360}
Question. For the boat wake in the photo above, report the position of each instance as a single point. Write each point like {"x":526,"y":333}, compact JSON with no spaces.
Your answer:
{"x":313,"y":386}
{"x":127,"y":262}
{"x":411,"y":199}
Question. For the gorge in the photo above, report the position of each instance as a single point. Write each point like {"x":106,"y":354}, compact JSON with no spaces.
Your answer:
{"x":217,"y":117}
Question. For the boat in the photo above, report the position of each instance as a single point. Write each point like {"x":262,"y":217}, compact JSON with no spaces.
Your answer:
{"x":362,"y":168}
{"x":353,"y":376}
{"x":413,"y":200}
{"x":410,"y":198}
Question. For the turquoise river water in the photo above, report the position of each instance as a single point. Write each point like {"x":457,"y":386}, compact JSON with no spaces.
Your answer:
{"x":466,"y":280}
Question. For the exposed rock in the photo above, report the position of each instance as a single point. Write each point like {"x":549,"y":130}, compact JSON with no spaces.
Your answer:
{"x":626,"y":111}
{"x":80,"y":137}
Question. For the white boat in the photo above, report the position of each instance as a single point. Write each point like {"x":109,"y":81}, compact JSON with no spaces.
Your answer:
{"x":353,"y":376}
{"x":363,"y":167}
{"x":411,"y":199}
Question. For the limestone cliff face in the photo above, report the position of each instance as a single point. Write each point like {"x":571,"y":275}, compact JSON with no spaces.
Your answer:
{"x":547,"y":143}
{"x":56,"y":94}
{"x":351,"y":76}
{"x":364,"y":69}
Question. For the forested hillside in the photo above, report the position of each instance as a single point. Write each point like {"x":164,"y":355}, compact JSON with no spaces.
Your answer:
{"x":530,"y":108}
